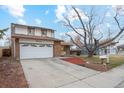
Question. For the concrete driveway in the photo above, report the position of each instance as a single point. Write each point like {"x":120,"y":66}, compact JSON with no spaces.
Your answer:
{"x":54,"y":72}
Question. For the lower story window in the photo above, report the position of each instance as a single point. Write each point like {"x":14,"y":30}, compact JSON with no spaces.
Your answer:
{"x":48,"y":45}
{"x":25,"y":45}
{"x":41,"y":45}
{"x":34,"y":45}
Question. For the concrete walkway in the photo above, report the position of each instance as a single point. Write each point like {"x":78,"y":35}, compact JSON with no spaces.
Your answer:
{"x":54,"y":72}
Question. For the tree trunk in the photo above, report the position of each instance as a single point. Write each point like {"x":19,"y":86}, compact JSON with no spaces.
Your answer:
{"x":90,"y":54}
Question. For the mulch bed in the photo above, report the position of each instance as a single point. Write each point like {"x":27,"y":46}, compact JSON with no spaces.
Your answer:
{"x":95,"y":66}
{"x":74,"y":60}
{"x":11,"y":75}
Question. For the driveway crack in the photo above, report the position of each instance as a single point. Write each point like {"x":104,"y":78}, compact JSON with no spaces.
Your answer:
{"x":79,"y":80}
{"x":117,"y":86}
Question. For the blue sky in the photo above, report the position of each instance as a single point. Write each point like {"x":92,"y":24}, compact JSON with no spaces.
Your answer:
{"x":46,"y":16}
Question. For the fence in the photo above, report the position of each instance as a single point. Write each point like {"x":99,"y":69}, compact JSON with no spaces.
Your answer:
{"x":1,"y":53}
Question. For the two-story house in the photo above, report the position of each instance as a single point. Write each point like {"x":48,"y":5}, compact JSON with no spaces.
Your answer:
{"x":33,"y":42}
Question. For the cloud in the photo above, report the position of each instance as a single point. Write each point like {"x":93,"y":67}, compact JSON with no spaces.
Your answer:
{"x":38,"y":21}
{"x":73,"y":16}
{"x":119,"y":9}
{"x":21,"y":21}
{"x":96,"y":33}
{"x":46,"y":12}
{"x":62,"y":34}
{"x":74,"y":34}
{"x":108,"y":24}
{"x":108,"y":14}
{"x":60,"y":12}
{"x":15,"y":10}
{"x":69,"y":13}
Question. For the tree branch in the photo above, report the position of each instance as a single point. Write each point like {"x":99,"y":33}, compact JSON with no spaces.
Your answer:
{"x":73,"y":41}
{"x":69,"y":25}
{"x":79,"y":18}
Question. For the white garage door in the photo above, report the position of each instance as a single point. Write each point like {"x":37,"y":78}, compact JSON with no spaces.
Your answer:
{"x":28,"y":51}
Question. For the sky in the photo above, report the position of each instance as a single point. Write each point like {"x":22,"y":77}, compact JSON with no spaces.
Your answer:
{"x":49,"y":16}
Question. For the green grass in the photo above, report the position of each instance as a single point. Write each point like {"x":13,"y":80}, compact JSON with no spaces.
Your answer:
{"x":115,"y":60}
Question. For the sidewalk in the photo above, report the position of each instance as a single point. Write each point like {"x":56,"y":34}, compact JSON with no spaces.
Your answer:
{"x":110,"y":79}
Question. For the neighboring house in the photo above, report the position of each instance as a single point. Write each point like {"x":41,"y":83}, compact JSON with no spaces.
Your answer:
{"x":109,"y":48}
{"x":121,"y":49}
{"x":33,"y":42}
{"x":65,"y":48}
{"x":75,"y":50}
{"x":105,"y":48}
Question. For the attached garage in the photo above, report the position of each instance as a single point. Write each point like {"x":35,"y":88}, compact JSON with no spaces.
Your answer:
{"x":29,"y":51}
{"x":28,"y":47}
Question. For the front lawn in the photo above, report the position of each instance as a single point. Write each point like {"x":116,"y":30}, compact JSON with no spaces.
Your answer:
{"x":115,"y":60}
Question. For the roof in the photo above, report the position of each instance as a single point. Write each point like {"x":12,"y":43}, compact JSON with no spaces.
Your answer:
{"x":107,"y":42}
{"x":75,"y":50}
{"x":32,"y":26}
{"x":121,"y":46}
{"x":66,"y":44}
{"x":35,"y":37}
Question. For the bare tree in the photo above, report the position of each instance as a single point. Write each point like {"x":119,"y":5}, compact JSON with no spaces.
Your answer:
{"x":88,"y":37}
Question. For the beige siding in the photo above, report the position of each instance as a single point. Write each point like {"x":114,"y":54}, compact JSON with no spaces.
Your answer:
{"x":24,"y":30}
{"x":21,"y":30}
{"x":49,"y":33}
{"x":38,"y":32}
{"x":35,"y":41}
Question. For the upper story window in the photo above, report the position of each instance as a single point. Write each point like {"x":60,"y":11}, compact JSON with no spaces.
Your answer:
{"x":44,"y":32}
{"x":52,"y":34}
{"x":31,"y":31}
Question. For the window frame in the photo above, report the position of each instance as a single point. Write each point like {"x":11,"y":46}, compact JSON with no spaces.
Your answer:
{"x":31,"y":31}
{"x":42,"y":32}
{"x":49,"y":45}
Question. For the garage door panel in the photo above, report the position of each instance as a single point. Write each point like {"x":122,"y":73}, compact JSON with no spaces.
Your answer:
{"x":27,"y":52}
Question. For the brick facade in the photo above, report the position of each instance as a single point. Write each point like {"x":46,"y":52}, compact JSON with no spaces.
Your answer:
{"x":57,"y":48}
{"x":17,"y":49}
